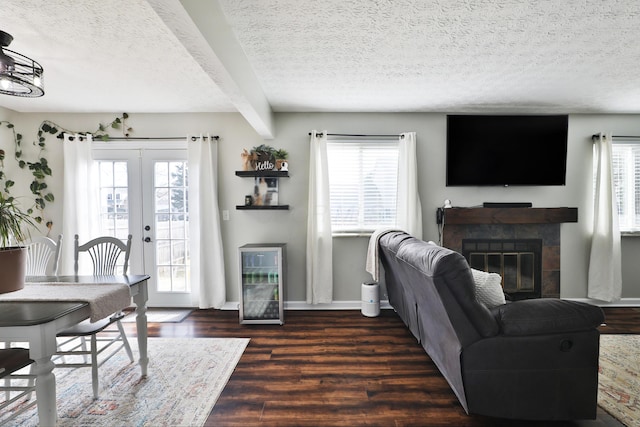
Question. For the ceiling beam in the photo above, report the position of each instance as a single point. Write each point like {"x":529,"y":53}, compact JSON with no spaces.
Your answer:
{"x":203,"y":30}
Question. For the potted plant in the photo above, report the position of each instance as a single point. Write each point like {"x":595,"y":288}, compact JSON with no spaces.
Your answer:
{"x":281,"y":156}
{"x":263,"y":157}
{"x":14,"y":225}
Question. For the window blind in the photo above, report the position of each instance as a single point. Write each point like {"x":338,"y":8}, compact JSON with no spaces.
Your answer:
{"x":626,"y":178}
{"x":363,"y":177}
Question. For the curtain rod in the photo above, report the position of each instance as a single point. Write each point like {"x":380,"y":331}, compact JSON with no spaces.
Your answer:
{"x":140,"y":138}
{"x":149,"y":138}
{"x":597,"y":135}
{"x":360,"y":135}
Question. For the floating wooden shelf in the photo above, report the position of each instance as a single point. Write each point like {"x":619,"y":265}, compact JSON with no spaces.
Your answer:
{"x":510,"y":215}
{"x":269,"y":174}
{"x":263,"y":208}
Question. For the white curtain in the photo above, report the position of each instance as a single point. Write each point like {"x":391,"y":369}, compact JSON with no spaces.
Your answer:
{"x":319,"y":238}
{"x":605,"y":270}
{"x":409,"y":208}
{"x":206,"y":254}
{"x":80,"y":200}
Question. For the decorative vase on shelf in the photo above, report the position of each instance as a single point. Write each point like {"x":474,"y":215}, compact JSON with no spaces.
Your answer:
{"x":246,"y":160}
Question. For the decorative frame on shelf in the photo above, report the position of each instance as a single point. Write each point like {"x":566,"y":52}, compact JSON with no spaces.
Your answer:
{"x":273,"y":174}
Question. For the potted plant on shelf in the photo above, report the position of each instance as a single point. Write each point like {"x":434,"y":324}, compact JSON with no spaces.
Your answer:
{"x":14,"y":224}
{"x":281,"y":156}
{"x":263,"y":158}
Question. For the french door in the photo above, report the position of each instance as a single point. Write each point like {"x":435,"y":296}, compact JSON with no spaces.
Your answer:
{"x":143,"y":191}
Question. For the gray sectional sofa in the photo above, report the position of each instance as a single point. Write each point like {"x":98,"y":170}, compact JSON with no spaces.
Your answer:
{"x":533,"y":359}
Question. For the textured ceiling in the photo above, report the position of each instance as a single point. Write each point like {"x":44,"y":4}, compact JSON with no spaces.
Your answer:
{"x":412,"y":55}
{"x":336,"y":55}
{"x":106,"y":56}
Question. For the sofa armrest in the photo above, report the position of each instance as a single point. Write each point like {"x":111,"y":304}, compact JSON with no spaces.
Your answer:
{"x":545,"y":315}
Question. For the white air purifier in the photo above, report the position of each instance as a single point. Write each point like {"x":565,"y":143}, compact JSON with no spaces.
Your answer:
{"x":370,"y":299}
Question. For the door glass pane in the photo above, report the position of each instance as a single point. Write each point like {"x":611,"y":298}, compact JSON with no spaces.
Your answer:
{"x":163,"y":252}
{"x":114,"y":198}
{"x":114,"y":202}
{"x":172,"y":223}
{"x":178,"y":279}
{"x":161,"y":174}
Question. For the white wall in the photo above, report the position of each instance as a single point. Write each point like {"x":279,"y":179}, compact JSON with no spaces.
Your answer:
{"x":4,"y":113}
{"x":290,"y":226}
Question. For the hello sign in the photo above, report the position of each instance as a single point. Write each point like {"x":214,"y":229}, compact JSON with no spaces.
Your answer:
{"x":264,"y":162}
{"x":264,"y":166}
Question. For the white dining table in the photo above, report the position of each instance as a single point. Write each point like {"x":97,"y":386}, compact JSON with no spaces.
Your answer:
{"x":38,"y":320}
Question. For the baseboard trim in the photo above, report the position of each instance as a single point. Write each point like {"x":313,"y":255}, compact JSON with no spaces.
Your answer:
{"x":302,"y":305}
{"x":384,"y":305}
{"x":335,"y":305}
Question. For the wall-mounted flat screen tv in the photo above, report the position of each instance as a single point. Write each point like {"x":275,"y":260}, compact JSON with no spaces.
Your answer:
{"x":484,"y":150}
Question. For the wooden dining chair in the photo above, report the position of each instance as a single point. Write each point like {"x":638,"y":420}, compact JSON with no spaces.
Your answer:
{"x":17,"y":387}
{"x":43,"y":256}
{"x":105,"y":253}
{"x":105,"y":340}
{"x":43,"y":259}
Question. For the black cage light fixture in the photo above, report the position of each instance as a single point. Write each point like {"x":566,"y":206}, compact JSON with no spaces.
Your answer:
{"x":19,"y":75}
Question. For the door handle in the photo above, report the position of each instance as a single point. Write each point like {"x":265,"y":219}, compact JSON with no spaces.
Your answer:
{"x":147,"y":239}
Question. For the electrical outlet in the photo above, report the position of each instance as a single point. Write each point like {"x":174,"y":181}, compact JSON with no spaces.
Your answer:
{"x":225,"y":215}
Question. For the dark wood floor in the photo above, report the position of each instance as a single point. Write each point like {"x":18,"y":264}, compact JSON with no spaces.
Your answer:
{"x":339,"y":368}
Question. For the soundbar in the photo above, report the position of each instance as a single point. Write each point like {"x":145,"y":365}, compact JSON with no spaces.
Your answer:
{"x":507,"y":205}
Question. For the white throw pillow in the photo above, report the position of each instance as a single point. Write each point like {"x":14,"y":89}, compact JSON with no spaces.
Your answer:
{"x":488,"y":288}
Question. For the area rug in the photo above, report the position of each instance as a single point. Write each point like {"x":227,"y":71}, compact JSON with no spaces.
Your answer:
{"x":186,"y":377}
{"x":619,"y":377}
{"x":163,"y":315}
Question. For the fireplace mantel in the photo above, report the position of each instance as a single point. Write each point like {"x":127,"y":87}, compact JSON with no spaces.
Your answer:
{"x":510,"y":215}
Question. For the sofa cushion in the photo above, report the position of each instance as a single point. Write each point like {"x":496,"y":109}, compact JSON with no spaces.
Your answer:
{"x":546,"y":316}
{"x":488,"y":288}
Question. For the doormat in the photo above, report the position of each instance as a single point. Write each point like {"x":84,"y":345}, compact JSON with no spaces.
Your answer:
{"x":160,"y":315}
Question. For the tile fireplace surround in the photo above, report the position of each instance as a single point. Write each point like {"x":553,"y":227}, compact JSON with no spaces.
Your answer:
{"x":513,"y":223}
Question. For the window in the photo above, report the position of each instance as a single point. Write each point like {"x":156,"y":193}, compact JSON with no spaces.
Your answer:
{"x":626,"y":179}
{"x":363,"y":178}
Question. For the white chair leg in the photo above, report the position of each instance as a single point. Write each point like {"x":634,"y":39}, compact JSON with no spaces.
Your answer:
{"x":31,"y":382}
{"x":84,"y":347}
{"x":125,"y":341}
{"x":94,"y":366}
{"x":7,"y":381}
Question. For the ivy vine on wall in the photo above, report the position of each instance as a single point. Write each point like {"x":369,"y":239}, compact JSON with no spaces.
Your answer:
{"x":39,"y":167}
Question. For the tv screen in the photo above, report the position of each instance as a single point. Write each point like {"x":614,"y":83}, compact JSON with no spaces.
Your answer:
{"x":506,"y":150}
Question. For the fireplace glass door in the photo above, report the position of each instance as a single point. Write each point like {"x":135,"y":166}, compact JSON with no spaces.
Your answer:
{"x":516,"y":261}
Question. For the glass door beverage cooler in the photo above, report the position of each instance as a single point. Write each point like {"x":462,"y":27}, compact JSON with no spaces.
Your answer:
{"x":262,"y":271}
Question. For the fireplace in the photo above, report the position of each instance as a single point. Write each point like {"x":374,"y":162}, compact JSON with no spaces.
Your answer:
{"x":517,"y":261}
{"x":496,"y":229}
